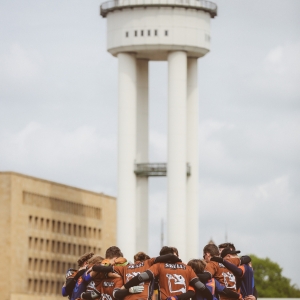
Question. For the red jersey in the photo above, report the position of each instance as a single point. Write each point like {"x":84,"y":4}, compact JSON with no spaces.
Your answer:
{"x":132,"y":270}
{"x":107,"y":286}
{"x":223,"y":275}
{"x":174,"y":278}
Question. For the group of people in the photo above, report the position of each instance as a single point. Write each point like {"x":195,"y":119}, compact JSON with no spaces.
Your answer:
{"x":221,"y":274}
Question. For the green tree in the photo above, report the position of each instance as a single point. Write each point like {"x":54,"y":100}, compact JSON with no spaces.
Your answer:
{"x":269,"y":281}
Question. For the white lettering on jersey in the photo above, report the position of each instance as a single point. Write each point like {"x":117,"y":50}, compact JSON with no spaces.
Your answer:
{"x":178,"y":280}
{"x":106,"y":297}
{"x":229,"y":280}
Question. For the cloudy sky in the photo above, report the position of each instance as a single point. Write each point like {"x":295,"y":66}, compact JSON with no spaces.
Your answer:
{"x":58,"y":116}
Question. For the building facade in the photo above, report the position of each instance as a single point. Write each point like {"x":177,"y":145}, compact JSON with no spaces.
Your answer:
{"x":45,"y":227}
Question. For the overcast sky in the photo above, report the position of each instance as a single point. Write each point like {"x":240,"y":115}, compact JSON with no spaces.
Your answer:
{"x":58,"y":116}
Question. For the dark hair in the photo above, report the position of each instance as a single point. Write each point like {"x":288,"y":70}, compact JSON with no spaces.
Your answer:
{"x":225,"y":245}
{"x":84,"y":258}
{"x":175,"y":250}
{"x":95,"y":260}
{"x":212,"y":249}
{"x":198,"y":265}
{"x":112,"y":252}
{"x":166,"y":250}
{"x":141,"y":256}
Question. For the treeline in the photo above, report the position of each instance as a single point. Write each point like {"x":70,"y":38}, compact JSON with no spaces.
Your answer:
{"x":269,"y":281}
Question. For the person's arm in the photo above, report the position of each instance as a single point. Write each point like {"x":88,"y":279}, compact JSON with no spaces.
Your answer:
{"x":145,"y":276}
{"x":204,"y":277}
{"x":231,"y":267}
{"x":121,"y":293}
{"x":201,"y":289}
{"x":70,"y":282}
{"x":102,"y":269}
{"x":64,"y":292}
{"x":245,"y":259}
{"x":184,"y":296}
{"x":230,"y":294}
{"x":171,"y":258}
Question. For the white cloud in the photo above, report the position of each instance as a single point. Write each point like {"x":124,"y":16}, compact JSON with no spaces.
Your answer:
{"x":59,"y":153}
{"x":280,"y":74}
{"x":275,"y":55}
{"x":21,"y":64}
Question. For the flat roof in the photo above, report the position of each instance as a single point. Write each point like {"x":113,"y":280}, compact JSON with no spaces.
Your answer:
{"x":56,"y":183}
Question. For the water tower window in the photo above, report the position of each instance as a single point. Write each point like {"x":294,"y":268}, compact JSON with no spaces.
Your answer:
{"x":149,"y":32}
{"x":155,"y":32}
{"x":166,"y":32}
{"x":142,"y":32}
{"x":127,"y":34}
{"x":135,"y":33}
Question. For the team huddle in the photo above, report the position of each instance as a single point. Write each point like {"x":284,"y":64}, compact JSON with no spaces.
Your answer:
{"x":221,"y":274}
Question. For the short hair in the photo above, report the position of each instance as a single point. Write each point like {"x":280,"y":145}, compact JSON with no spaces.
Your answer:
{"x":95,"y":260}
{"x":198,"y":265}
{"x":141,"y":256}
{"x":84,"y":258}
{"x":166,"y":250}
{"x":225,"y":245}
{"x":175,"y":250}
{"x":112,"y":252}
{"x":212,"y":249}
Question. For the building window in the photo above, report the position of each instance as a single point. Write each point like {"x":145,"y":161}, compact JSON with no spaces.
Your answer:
{"x":166,"y":32}
{"x":142,"y":32}
{"x":149,"y":32}
{"x":126,"y":34}
{"x":155,"y":32}
{"x":135,"y":33}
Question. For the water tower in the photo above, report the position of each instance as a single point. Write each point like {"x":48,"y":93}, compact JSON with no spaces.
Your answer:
{"x":177,"y":31}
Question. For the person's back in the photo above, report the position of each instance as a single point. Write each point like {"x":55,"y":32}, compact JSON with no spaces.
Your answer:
{"x":86,"y":279}
{"x":132,"y":270}
{"x":174,"y":278}
{"x":107,"y":283}
{"x":246,"y":282}
{"x":107,"y":286}
{"x":218,"y":270}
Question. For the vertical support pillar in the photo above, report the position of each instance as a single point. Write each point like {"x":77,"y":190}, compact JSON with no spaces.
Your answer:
{"x":192,"y":211}
{"x":177,"y":80}
{"x":126,"y":202}
{"x":142,"y":155}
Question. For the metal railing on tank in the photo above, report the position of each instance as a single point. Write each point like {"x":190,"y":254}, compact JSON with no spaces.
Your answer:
{"x":204,"y":5}
{"x":155,"y":169}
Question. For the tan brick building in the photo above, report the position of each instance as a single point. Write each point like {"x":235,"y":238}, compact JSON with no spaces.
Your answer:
{"x":44,"y":228}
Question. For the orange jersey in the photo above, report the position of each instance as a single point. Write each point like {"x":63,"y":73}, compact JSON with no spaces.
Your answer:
{"x":132,"y":270}
{"x":107,"y":286}
{"x":174,"y":278}
{"x":222,"y":274}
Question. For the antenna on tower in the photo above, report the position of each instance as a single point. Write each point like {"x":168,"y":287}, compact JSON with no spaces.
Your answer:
{"x":162,"y":233}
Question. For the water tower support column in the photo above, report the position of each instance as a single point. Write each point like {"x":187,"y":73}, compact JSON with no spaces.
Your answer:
{"x":177,"y":89}
{"x":142,"y":155}
{"x":192,"y":232}
{"x":126,"y":205}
